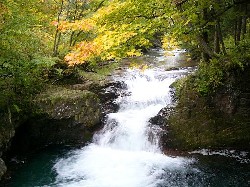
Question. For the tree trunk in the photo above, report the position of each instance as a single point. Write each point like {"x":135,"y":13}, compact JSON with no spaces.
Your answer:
{"x":9,"y":115}
{"x":216,"y":39}
{"x":206,"y":51}
{"x":244,"y":26}
{"x":71,"y":39}
{"x":76,"y":36}
{"x":235,"y":32}
{"x":239,"y":27}
{"x":57,"y":34}
{"x":244,"y":21}
{"x":56,"y":43}
{"x":221,"y":38}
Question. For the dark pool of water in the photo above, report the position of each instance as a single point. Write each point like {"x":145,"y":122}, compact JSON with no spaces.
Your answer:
{"x":212,"y":170}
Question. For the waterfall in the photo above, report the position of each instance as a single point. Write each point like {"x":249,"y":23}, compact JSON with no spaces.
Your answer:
{"x":126,"y":152}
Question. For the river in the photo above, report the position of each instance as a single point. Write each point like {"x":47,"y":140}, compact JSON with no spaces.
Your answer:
{"x":127,"y":152}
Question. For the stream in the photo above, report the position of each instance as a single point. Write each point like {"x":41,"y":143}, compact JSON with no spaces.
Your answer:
{"x":127,"y":151}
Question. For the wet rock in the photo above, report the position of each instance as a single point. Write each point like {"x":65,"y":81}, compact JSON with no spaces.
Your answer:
{"x":161,"y":120}
{"x":7,"y":132}
{"x":107,"y":93}
{"x":162,"y":117}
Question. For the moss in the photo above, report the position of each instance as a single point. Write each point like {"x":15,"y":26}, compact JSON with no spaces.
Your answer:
{"x":178,"y":85}
{"x":205,"y":121}
{"x":60,"y":103}
{"x":99,"y":73}
{"x":190,"y":128}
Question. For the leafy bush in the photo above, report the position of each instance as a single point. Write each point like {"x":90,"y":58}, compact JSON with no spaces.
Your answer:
{"x":209,"y":76}
{"x":20,"y":80}
{"x":240,"y":54}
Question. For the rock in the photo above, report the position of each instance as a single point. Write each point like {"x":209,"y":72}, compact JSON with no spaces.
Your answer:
{"x":82,"y":106}
{"x":7,"y":131}
{"x":218,"y":120}
{"x":162,"y":117}
{"x":161,"y":121}
{"x":60,"y":116}
{"x":107,"y":93}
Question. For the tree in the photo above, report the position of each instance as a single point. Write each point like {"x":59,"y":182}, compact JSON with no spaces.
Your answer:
{"x":25,"y":35}
{"x":120,"y":29}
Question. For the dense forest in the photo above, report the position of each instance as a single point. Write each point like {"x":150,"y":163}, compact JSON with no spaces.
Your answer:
{"x":44,"y":39}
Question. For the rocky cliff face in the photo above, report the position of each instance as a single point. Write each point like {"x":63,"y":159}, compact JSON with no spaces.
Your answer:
{"x":220,"y":120}
{"x":60,"y":116}
{"x":7,"y":131}
{"x":81,"y":106}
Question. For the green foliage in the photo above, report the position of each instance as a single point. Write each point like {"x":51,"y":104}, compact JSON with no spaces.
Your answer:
{"x":239,"y":55}
{"x":100,"y":30}
{"x":178,"y":86}
{"x":20,"y":80}
{"x":209,"y":76}
{"x":120,"y":29}
{"x":25,"y":47}
{"x":25,"y":30}
{"x":212,"y":75}
{"x":97,"y":73}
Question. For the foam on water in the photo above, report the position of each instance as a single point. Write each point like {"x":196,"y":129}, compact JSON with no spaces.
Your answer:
{"x":97,"y":166}
{"x":122,"y":154}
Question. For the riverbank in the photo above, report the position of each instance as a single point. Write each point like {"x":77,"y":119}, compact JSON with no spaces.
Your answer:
{"x":66,"y":112}
{"x":219,"y":120}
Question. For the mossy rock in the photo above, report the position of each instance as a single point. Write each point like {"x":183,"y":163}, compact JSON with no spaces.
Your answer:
{"x":217,"y":120}
{"x":60,"y":103}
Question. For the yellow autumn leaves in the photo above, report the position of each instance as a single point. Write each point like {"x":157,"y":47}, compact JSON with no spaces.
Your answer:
{"x":102,"y":46}
{"x":3,"y":10}
{"x":169,"y":43}
{"x":107,"y":41}
{"x":84,"y":25}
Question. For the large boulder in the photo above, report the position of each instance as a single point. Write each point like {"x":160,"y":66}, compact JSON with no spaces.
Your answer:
{"x":218,"y":120}
{"x":60,"y":116}
{"x":81,"y":106}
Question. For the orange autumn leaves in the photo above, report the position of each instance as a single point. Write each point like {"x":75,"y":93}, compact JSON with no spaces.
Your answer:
{"x":105,"y":40}
{"x":82,"y":52}
{"x":84,"y":25}
{"x":105,"y":46}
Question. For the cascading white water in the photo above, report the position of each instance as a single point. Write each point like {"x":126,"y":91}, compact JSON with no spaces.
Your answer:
{"x":125,"y":153}
{"x":127,"y":129}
